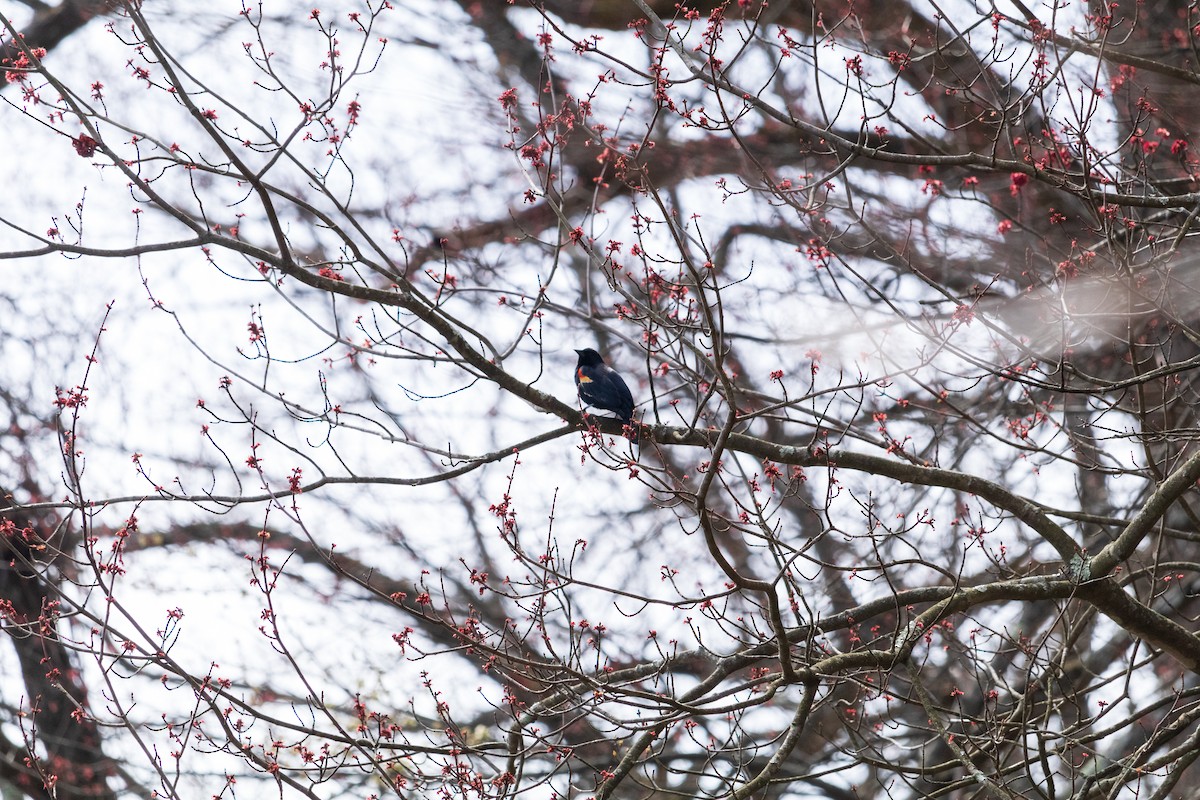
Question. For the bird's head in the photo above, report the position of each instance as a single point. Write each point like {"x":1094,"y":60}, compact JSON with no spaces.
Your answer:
{"x":589,"y":358}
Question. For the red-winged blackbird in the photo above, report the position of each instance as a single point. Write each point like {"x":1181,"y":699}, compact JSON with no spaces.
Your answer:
{"x":600,"y":386}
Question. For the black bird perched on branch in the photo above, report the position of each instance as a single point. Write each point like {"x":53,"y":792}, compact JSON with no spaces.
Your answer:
{"x":601,"y":387}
